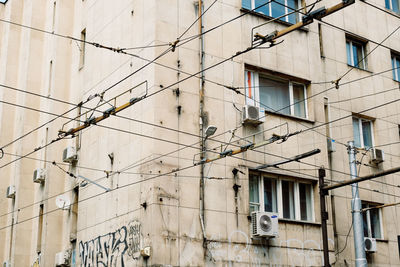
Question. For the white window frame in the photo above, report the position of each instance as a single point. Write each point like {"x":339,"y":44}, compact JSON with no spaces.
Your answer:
{"x":287,"y":10}
{"x":360,"y":120}
{"x":391,"y":5}
{"x":279,"y":199}
{"x":255,"y":96}
{"x":364,"y":61}
{"x":367,"y":212}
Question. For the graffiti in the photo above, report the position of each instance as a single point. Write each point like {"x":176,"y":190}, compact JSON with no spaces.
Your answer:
{"x":110,"y":250}
{"x":134,"y":238}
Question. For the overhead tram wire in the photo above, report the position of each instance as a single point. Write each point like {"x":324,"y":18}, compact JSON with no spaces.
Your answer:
{"x":381,"y":9}
{"x":133,"y":183}
{"x":91,"y":43}
{"x":96,"y":45}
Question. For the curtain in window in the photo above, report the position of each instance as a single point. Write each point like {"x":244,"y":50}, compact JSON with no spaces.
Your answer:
{"x":253,"y":193}
{"x":305,"y":202}
{"x":250,"y":89}
{"x":396,"y":68}
{"x":356,"y":132}
{"x":262,"y":9}
{"x":387,"y":4}
{"x":274,"y":95}
{"x":288,"y":200}
{"x":270,"y":203}
{"x":348,"y":48}
{"x":375,"y":223}
{"x":298,"y":100}
{"x":367,"y":133}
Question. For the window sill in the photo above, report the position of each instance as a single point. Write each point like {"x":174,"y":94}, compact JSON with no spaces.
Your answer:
{"x":357,"y":68}
{"x":261,"y":15}
{"x":382,"y":240}
{"x":289,"y":116}
{"x":283,"y":220}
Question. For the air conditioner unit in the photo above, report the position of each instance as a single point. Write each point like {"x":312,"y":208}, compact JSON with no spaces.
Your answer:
{"x":264,"y":224}
{"x":6,"y":264}
{"x":377,"y":156}
{"x":331,"y":145}
{"x":69,"y":154}
{"x":251,"y":115}
{"x":39,"y":175}
{"x":370,"y":244}
{"x":11,"y":191}
{"x":62,"y":258}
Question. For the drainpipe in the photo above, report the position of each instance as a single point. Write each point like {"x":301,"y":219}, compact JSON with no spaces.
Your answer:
{"x":201,"y":122}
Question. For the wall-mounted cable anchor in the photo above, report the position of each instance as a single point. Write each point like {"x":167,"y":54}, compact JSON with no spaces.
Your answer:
{"x":173,"y":45}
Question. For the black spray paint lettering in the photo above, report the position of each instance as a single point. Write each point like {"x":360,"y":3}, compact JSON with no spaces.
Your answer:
{"x":106,"y":250}
{"x":134,"y":237}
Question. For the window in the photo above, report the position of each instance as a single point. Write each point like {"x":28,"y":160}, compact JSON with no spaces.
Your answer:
{"x":356,"y":54}
{"x":396,"y":67}
{"x":276,"y":94}
{"x":275,"y":9}
{"x":362,"y":131}
{"x":3,"y":1}
{"x":372,"y":221}
{"x":291,"y":199}
{"x":392,"y":5}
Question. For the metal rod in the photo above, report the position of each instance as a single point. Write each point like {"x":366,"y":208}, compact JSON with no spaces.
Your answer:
{"x":361,"y":179}
{"x":324,"y":216}
{"x":93,"y":182}
{"x":295,"y":158}
{"x":358,"y":228}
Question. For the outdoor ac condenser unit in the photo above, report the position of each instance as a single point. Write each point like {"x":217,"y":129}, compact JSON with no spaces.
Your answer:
{"x":69,"y":154}
{"x":251,"y":115}
{"x":370,"y":244}
{"x":264,"y":224}
{"x":377,"y":156}
{"x":39,"y":176}
{"x":10,"y":191}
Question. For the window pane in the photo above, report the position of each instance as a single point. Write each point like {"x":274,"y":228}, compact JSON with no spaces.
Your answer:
{"x":387,"y":4}
{"x":356,"y":132}
{"x":253,"y":193}
{"x":292,"y":5}
{"x":278,"y":9}
{"x":360,"y":57}
{"x":394,"y":68}
{"x":397,"y":66}
{"x":375,"y":223}
{"x":288,"y":200}
{"x":367,"y":133}
{"x":274,"y":95}
{"x":348,"y":48}
{"x":263,"y":9}
{"x":305,"y":202}
{"x":356,"y":57}
{"x":270,"y":203}
{"x":298,"y":100}
{"x":365,"y":221}
{"x":395,"y":5}
{"x":246,"y":4}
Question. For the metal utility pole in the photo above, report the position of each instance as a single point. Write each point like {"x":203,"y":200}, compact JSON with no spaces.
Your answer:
{"x":324,"y":215}
{"x":358,"y":228}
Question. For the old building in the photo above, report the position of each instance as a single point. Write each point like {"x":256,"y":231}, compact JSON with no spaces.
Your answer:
{"x":111,"y":107}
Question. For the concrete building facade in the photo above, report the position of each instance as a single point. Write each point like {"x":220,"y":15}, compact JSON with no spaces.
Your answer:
{"x":106,"y":105}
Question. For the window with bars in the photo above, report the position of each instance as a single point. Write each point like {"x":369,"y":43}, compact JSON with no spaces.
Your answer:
{"x":275,"y":9}
{"x":290,"y":198}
